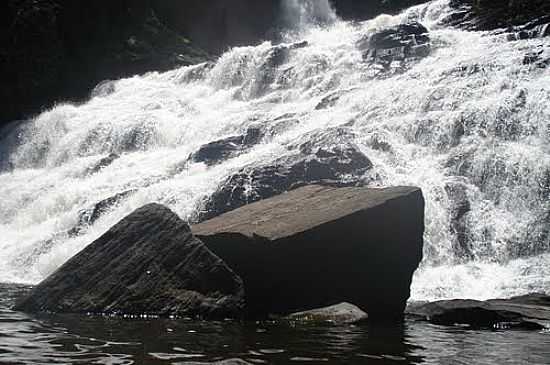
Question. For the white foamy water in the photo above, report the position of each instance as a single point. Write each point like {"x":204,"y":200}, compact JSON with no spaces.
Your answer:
{"x":470,"y":117}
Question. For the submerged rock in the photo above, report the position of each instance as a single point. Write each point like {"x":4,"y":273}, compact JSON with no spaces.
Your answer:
{"x":273,"y":60}
{"x":148,"y":263}
{"x":460,"y":206}
{"x":218,"y":151}
{"x":398,"y":43}
{"x":327,"y":157}
{"x":102,"y":163}
{"x":89,"y":216}
{"x":538,"y":57}
{"x":317,"y":245}
{"x":525,"y":312}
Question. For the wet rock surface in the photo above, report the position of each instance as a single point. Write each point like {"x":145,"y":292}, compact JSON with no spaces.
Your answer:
{"x":538,"y":57}
{"x":308,"y":248}
{"x":102,"y":163}
{"x":87,"y":217}
{"x":223,"y":149}
{"x":317,"y":245}
{"x":342,"y":313}
{"x":530,"y":311}
{"x":150,"y":263}
{"x":399,"y":43}
{"x":460,"y":207}
{"x":327,"y":157}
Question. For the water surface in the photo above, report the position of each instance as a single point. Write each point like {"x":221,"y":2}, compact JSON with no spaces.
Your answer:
{"x":80,"y":339}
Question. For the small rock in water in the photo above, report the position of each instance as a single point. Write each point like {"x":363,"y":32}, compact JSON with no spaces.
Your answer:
{"x":339,"y":314}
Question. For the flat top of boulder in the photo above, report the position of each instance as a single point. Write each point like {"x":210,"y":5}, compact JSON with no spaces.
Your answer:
{"x":299,"y":210}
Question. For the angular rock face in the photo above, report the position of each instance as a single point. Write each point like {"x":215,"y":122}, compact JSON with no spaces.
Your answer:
{"x":150,"y":263}
{"x":318,"y":245}
{"x":527,"y":312}
{"x":327,"y":157}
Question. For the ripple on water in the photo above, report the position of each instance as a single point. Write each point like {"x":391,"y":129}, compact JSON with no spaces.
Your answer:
{"x":63,"y":339}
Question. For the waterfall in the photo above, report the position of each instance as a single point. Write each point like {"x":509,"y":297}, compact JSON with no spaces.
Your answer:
{"x":301,"y":14}
{"x":469,"y":124}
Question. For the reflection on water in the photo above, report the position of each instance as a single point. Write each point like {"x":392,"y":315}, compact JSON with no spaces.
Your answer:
{"x":69,"y":339}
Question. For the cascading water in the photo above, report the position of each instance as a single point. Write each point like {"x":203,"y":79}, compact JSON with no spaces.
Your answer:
{"x":469,"y":124}
{"x":301,"y":14}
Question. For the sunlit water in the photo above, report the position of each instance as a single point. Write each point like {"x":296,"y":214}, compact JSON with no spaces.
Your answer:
{"x":473,"y":82}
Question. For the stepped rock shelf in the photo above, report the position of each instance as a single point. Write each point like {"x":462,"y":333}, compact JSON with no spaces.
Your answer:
{"x":307,"y":248}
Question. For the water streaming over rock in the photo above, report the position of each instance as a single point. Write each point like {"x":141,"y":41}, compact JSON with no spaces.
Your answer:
{"x":469,"y":124}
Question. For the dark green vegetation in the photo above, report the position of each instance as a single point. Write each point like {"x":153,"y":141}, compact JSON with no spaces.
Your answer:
{"x":53,"y":50}
{"x":58,"y":50}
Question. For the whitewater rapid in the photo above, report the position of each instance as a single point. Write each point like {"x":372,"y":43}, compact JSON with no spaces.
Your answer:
{"x":472,"y":82}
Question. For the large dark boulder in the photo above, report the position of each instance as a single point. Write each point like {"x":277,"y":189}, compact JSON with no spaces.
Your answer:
{"x":316,"y":246}
{"x":148,"y":263}
{"x":526,"y":312}
{"x":324,"y":157}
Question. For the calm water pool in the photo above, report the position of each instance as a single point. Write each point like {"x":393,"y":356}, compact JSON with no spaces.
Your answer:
{"x":72,"y":339}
